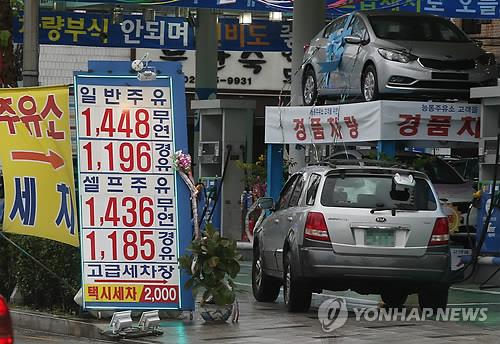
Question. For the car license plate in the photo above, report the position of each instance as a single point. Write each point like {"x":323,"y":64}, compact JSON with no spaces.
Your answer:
{"x":382,"y":238}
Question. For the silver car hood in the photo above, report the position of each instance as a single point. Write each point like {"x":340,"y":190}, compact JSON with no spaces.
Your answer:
{"x":436,"y":50}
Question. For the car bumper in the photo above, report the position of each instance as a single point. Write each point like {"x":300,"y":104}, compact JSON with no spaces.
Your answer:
{"x":419,"y":79}
{"x":321,"y":263}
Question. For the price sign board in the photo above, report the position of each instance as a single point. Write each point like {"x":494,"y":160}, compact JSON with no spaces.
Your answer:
{"x":134,"y":208}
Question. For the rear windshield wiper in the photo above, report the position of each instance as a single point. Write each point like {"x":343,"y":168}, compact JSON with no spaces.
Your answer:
{"x":393,"y":210}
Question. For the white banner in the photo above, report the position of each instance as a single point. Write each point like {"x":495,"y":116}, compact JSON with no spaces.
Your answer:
{"x":374,"y":121}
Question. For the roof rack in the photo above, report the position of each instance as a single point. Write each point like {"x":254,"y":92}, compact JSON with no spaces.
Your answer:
{"x":361,"y":162}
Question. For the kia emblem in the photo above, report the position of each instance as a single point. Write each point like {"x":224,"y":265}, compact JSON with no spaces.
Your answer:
{"x":380,"y":219}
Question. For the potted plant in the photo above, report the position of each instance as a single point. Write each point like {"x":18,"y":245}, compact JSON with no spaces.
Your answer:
{"x":212,"y":266}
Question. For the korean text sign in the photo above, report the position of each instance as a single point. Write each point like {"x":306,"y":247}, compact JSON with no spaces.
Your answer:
{"x":135,"y":222}
{"x":479,"y":9}
{"x":91,"y":29}
{"x":37,"y":163}
{"x":374,"y":121}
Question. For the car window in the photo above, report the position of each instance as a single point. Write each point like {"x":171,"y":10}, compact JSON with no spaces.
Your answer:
{"x":312,"y":188}
{"x":359,"y":28}
{"x":416,"y":28}
{"x":297,"y":191}
{"x":286,"y":193}
{"x":372,"y":192}
{"x":336,"y":25}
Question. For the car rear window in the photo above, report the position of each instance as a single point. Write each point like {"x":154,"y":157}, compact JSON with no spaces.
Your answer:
{"x":374,"y":192}
{"x":416,"y":28}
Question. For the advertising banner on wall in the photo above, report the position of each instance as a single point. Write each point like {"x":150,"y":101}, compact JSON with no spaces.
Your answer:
{"x":481,"y":9}
{"x":98,"y":29}
{"x":37,"y":163}
{"x":135,"y":219}
{"x":373,"y":121}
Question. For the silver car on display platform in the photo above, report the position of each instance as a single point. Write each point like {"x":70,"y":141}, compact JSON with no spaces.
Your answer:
{"x":394,"y":54}
{"x":353,"y":224}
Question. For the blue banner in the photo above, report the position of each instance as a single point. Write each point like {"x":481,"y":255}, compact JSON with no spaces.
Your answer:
{"x":86,"y":29}
{"x":480,"y":9}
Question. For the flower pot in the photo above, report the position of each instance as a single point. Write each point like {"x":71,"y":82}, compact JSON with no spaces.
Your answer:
{"x":213,"y":313}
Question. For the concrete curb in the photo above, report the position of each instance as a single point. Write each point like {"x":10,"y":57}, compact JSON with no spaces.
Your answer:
{"x":62,"y":326}
{"x":54,"y":324}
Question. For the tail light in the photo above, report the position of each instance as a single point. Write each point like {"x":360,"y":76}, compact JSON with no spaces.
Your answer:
{"x":316,"y":228}
{"x":440,"y":232}
{"x":306,"y":46}
{"x":6,"y":335}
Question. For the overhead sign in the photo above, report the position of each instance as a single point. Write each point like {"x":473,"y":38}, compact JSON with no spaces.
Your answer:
{"x":373,"y":121}
{"x":135,"y":217}
{"x":37,"y":163}
{"x":93,"y":29}
{"x":262,"y":71}
{"x":480,"y":9}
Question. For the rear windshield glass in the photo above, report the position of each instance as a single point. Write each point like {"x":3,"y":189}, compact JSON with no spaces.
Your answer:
{"x":374,"y":192}
{"x":414,"y":28}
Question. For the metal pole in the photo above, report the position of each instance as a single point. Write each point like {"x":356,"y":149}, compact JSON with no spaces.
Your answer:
{"x":206,"y":67}
{"x":206,"y":54}
{"x":31,"y":47}
{"x":308,"y":20}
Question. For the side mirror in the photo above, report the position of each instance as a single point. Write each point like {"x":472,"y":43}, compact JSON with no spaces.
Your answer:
{"x":478,"y":43}
{"x":353,"y":40}
{"x":266,"y":203}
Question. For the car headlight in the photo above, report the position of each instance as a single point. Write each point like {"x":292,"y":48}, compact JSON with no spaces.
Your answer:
{"x":487,"y":59}
{"x":394,"y":55}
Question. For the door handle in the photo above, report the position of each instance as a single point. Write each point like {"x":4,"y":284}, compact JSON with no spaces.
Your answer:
{"x":290,"y":218}
{"x":276,"y":221}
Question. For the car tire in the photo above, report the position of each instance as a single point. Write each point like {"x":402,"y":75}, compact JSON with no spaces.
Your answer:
{"x":369,"y":84}
{"x":434,"y":297}
{"x":394,"y":298}
{"x":297,"y":293}
{"x":310,"y":96}
{"x":265,"y":288}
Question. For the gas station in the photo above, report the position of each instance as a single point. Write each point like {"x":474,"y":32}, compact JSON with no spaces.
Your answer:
{"x":224,"y":126}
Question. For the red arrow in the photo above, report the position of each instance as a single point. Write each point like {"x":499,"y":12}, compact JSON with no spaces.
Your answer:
{"x":52,"y":158}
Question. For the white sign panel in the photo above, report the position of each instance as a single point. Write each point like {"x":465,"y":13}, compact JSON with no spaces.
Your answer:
{"x":237,"y":70}
{"x":128,"y":196}
{"x":374,"y":121}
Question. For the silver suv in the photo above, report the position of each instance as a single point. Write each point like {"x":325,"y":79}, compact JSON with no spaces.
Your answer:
{"x":350,"y":225}
{"x":394,"y":53}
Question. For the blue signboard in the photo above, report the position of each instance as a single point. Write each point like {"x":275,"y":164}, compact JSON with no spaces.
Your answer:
{"x":480,"y":9}
{"x":135,"y":216}
{"x":89,"y":29}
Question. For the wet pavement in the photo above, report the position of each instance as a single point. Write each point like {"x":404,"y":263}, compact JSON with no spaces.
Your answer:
{"x":271,"y":323}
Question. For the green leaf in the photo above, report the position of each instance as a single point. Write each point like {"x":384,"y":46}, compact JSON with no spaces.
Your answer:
{"x":212,"y":262}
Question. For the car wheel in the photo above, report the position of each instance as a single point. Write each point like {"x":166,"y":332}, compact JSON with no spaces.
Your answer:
{"x":369,"y":84}
{"x":297,"y":293}
{"x":434,"y":297}
{"x":265,"y":288}
{"x":310,"y":89}
{"x":394,"y":298}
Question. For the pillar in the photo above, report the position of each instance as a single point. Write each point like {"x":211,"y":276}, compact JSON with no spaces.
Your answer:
{"x":308,"y":20}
